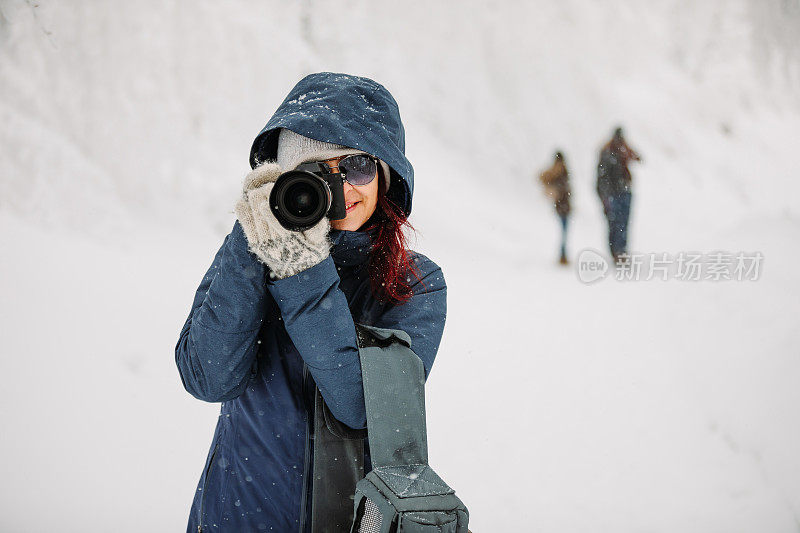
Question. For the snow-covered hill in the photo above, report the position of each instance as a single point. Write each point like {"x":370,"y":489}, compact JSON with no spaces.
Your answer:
{"x":553,"y":406}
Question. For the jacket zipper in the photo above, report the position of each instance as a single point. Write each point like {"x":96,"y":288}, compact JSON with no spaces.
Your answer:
{"x":306,"y":459}
{"x":205,"y":487}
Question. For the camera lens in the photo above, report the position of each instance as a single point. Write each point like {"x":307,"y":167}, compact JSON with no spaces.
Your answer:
{"x":299,"y":200}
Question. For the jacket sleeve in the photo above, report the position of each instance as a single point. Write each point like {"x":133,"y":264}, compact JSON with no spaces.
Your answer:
{"x":217,"y":347}
{"x":317,"y":317}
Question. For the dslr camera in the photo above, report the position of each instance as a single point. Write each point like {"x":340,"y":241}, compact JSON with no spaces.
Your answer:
{"x":301,"y":197}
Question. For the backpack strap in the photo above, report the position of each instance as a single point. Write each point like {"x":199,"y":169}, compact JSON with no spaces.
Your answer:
{"x":394,"y":394}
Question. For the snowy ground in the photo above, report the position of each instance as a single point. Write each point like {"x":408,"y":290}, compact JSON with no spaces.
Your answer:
{"x":553,"y":406}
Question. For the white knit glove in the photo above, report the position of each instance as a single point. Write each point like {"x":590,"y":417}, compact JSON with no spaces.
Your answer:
{"x":285,"y":252}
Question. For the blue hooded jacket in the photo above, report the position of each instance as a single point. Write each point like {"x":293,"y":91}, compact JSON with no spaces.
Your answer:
{"x":261,"y":348}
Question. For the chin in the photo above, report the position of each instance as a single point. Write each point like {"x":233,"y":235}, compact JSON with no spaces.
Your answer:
{"x":346,"y":225}
{"x":351,"y":223}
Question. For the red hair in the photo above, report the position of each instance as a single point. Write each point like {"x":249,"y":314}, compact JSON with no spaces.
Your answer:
{"x":390,"y":265}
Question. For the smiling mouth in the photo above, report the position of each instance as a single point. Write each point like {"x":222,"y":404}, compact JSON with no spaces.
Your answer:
{"x":349,"y":207}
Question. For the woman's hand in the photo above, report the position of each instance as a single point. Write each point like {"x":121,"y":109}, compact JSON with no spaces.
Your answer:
{"x":285,"y":252}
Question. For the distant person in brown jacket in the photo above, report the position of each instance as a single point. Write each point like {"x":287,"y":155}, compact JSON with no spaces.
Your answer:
{"x":556,"y":186}
{"x":614,"y":190}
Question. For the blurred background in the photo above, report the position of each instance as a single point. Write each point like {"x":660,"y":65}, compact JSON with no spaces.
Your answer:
{"x":554,"y":406}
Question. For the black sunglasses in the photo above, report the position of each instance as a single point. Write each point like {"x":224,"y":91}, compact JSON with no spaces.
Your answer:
{"x":356,"y":169}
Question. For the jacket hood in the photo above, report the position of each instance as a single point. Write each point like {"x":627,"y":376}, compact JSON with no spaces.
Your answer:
{"x":347,"y":110}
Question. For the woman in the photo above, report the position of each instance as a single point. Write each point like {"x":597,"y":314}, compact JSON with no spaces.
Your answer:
{"x":556,"y":185}
{"x":274,"y":319}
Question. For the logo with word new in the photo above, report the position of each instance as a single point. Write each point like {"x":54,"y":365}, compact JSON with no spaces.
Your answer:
{"x":592,"y":266}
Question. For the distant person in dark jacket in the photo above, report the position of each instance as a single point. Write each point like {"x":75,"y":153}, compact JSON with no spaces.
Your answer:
{"x":614,"y":189}
{"x":271,"y":334}
{"x":556,"y":185}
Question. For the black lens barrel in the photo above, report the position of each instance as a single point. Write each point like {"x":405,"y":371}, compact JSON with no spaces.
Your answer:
{"x":300,"y":199}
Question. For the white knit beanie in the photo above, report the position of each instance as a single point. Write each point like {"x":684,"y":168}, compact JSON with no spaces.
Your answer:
{"x":294,"y":149}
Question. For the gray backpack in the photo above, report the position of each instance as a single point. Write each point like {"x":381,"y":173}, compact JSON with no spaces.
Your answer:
{"x":402,"y":493}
